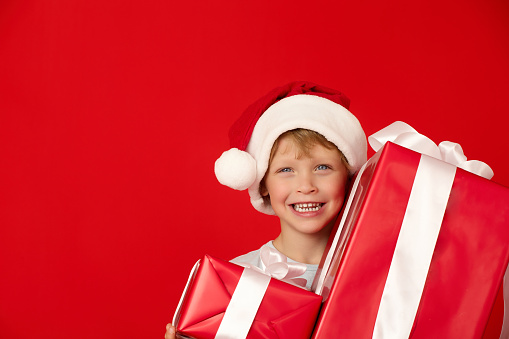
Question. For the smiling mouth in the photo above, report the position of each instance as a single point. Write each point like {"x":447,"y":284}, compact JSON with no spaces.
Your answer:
{"x":307,"y":207}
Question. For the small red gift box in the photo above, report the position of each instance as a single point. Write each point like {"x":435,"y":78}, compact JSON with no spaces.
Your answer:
{"x":286,"y":311}
{"x":467,"y":260}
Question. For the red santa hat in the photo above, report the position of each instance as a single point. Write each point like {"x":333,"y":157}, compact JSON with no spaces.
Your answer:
{"x":298,"y":104}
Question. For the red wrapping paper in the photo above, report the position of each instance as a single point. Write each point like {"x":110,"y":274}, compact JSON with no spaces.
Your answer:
{"x":466,"y":269}
{"x":286,"y":311}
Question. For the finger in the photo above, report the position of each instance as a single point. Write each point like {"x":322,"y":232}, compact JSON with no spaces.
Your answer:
{"x":170,"y":332}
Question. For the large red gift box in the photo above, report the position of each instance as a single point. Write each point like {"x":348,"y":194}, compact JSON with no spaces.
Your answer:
{"x":286,"y":311}
{"x":467,"y":263}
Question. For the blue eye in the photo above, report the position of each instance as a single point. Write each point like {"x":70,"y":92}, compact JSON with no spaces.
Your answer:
{"x":285,"y":170}
{"x":322,"y":167}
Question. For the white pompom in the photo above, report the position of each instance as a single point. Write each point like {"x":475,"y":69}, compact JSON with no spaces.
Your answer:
{"x":236,"y":169}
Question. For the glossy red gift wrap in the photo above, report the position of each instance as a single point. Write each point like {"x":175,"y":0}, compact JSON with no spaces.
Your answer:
{"x":286,"y":311}
{"x":467,"y":266}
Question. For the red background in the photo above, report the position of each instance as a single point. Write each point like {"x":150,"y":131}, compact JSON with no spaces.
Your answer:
{"x":112,"y":114}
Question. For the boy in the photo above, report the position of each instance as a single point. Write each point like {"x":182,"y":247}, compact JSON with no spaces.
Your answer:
{"x":294,"y":150}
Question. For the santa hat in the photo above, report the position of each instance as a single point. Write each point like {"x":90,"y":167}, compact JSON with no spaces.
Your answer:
{"x":296,"y":105}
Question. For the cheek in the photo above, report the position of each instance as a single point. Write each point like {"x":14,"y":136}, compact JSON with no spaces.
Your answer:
{"x":277,"y":193}
{"x":339,"y":195}
{"x":337,"y":189}
{"x":274,"y":189}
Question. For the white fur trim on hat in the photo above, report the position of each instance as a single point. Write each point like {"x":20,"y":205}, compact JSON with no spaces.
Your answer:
{"x":312,"y":112}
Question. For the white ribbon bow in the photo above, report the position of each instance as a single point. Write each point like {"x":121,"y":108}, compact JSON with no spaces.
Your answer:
{"x":404,"y":135}
{"x":276,"y":265}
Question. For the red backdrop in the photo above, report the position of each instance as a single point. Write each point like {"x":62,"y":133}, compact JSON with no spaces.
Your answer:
{"x":112,"y":114}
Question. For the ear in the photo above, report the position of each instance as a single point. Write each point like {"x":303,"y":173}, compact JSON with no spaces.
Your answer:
{"x":264,"y":192}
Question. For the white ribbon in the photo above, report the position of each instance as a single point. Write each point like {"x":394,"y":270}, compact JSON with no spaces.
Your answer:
{"x":243,"y":306}
{"x":251,"y":288}
{"x":404,"y":135}
{"x":276,"y":265}
{"x":414,"y":249}
{"x":421,"y":224}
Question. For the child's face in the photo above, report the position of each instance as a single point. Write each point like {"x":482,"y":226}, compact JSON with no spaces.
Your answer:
{"x":306,"y":193}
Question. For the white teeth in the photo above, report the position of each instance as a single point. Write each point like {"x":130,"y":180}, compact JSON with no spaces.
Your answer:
{"x":308,"y":207}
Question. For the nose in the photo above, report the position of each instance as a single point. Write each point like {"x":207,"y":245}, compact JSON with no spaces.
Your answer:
{"x":306,"y":184}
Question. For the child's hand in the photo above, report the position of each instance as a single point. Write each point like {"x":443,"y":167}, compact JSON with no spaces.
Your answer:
{"x":170,"y":332}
